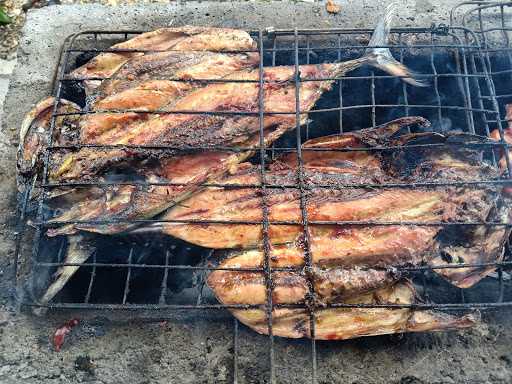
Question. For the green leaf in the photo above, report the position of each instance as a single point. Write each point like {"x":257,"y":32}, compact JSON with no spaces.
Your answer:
{"x":4,"y":19}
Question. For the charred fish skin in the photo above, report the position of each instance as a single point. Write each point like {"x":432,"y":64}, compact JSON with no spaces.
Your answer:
{"x":352,"y":322}
{"x":33,"y":137}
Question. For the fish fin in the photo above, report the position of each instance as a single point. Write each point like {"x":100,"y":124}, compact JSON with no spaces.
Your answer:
{"x":78,"y":252}
{"x":368,"y":136}
{"x":381,"y":57}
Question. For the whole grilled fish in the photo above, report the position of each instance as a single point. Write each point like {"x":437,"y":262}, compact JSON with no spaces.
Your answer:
{"x":184,"y":129}
{"x":348,"y":245}
{"x":347,"y":323}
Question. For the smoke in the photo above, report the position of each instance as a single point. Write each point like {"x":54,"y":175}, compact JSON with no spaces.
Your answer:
{"x":441,"y":125}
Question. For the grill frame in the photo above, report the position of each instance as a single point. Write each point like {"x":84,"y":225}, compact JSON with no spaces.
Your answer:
{"x":490,"y":20}
{"x":467,"y":76}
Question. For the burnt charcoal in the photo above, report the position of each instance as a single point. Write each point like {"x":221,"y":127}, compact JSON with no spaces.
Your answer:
{"x":85,"y":364}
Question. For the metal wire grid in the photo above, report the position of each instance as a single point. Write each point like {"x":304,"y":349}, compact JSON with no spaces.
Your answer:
{"x":464,"y":56}
{"x":491,"y":21}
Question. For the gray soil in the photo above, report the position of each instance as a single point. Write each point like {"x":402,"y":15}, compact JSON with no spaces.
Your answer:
{"x":198,"y":347}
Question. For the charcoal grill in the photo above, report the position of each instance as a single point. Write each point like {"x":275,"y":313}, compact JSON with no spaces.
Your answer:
{"x":162,"y":276}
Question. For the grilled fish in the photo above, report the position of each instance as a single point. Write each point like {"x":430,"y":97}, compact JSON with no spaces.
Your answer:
{"x":185,"y":129}
{"x":347,"y":323}
{"x":332,"y":204}
{"x":290,"y":287}
{"x":352,"y":245}
{"x":186,"y":38}
{"x":33,"y":136}
{"x":189,"y":130}
{"x":234,"y":130}
{"x":363,"y":246}
{"x":142,"y":84}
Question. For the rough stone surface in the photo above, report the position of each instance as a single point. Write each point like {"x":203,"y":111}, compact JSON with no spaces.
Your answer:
{"x":6,"y":67}
{"x":198,"y":349}
{"x":4,"y":84}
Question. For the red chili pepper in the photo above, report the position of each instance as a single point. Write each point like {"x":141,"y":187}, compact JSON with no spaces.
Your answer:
{"x":61,"y":332}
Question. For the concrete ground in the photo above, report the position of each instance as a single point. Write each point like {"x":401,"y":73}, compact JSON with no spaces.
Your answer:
{"x":6,"y":69}
{"x":199,"y":349}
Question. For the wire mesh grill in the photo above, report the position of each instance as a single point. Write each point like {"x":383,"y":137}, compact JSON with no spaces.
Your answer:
{"x":156,"y":273}
{"x":491,"y":21}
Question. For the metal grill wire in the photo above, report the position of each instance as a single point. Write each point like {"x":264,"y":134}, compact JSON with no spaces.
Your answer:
{"x":478,"y":119}
{"x":491,"y":21}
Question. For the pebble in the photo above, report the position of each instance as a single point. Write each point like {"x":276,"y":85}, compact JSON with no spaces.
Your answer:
{"x":6,"y":67}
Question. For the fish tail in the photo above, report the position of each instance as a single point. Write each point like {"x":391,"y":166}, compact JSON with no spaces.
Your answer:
{"x":381,"y":58}
{"x":78,"y":252}
{"x":430,"y":321}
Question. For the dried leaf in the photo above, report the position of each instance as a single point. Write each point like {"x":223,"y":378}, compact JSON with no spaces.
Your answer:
{"x":332,"y":7}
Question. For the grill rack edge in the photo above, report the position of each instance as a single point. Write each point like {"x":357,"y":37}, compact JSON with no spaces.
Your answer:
{"x":468,"y":52}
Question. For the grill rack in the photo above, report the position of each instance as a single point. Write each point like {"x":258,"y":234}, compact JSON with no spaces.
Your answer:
{"x":491,"y":22}
{"x":471,"y":73}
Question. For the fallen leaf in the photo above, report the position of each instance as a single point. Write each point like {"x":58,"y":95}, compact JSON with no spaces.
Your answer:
{"x":4,"y":18}
{"x":332,"y":7}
